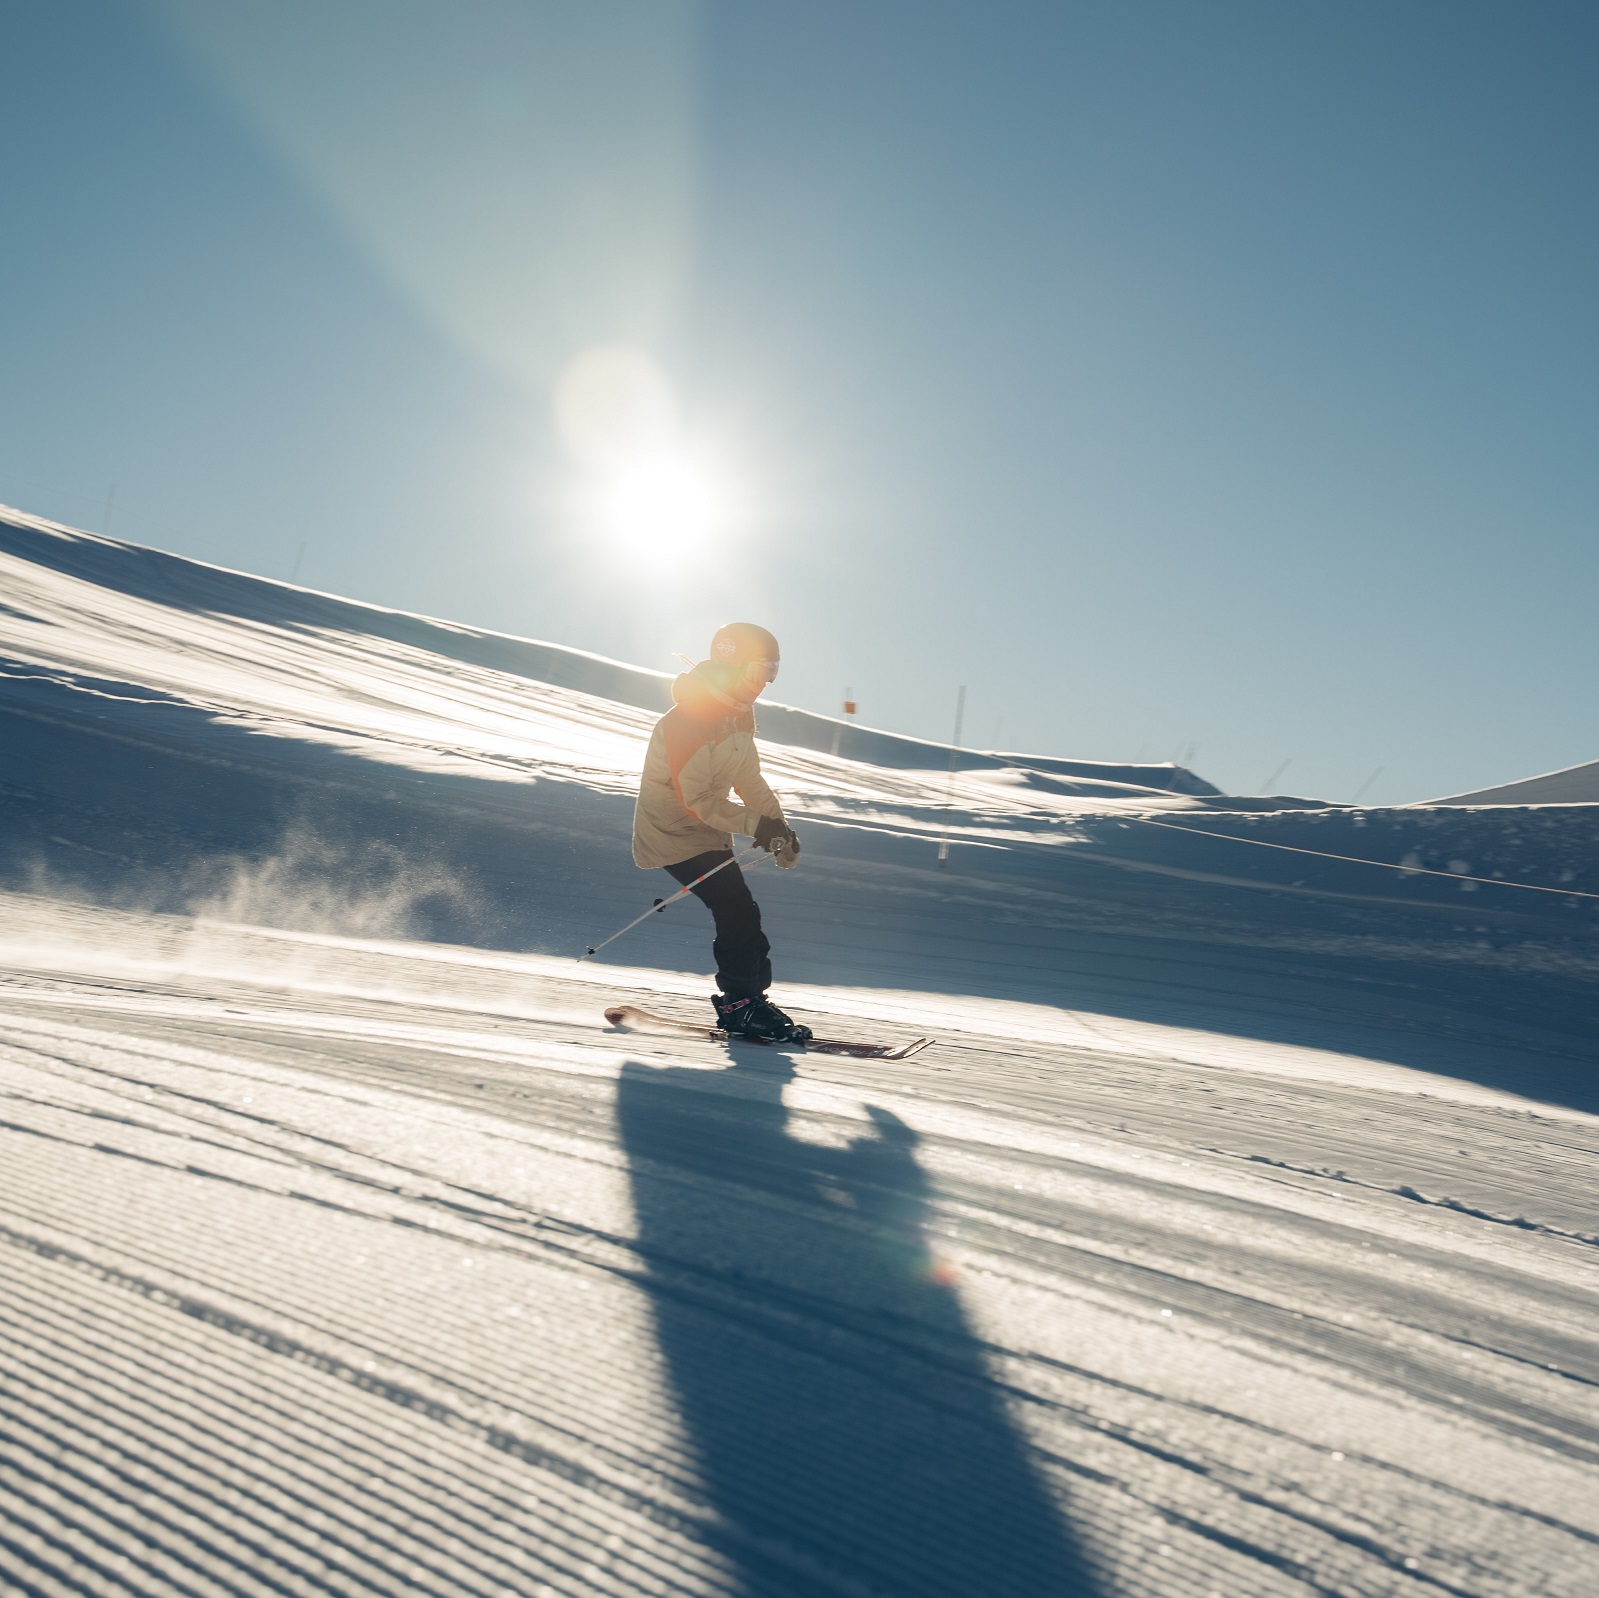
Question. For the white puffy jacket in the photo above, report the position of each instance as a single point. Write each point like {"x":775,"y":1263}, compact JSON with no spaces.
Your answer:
{"x":701,"y":751}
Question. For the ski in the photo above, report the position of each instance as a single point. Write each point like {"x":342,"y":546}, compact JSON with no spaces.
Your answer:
{"x":632,"y":1019}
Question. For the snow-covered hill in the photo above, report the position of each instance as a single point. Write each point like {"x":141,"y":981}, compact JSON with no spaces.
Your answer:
{"x":183,"y":737}
{"x":1576,"y":785}
{"x":1237,"y":1236}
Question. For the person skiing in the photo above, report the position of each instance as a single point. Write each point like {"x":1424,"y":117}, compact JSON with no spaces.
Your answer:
{"x":684,"y":819}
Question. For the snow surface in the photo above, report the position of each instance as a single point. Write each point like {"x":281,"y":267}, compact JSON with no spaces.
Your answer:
{"x":1237,"y":1237}
{"x":1576,"y":785}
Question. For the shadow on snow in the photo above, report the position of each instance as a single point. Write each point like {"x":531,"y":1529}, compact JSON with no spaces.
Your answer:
{"x":846,"y":1427}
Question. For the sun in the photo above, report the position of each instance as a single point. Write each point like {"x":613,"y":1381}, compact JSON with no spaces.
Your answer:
{"x":664,"y":503}
{"x":647,"y":485}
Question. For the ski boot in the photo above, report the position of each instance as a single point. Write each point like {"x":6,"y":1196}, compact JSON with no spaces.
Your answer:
{"x":758,"y":1018}
{"x":796,"y":1032}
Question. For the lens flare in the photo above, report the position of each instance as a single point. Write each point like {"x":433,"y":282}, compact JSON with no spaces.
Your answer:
{"x":614,"y":405}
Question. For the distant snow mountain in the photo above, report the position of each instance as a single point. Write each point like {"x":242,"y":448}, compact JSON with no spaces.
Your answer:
{"x":1576,"y":785}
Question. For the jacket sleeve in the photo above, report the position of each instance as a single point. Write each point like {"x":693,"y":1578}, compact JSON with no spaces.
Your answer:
{"x":751,"y":787}
{"x":701,"y":799}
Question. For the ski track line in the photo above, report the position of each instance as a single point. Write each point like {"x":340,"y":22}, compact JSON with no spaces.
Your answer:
{"x":1164,"y":1289}
{"x":386,"y":1184}
{"x":435,"y":1384}
{"x":545,"y":1063}
{"x":226,"y":1109}
{"x":422,"y":1491}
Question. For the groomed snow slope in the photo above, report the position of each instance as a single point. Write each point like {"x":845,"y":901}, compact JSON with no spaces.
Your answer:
{"x":1236,"y":1238}
{"x":339,"y":1267}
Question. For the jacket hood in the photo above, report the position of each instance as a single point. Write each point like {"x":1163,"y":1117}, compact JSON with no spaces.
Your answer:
{"x":703,"y":693}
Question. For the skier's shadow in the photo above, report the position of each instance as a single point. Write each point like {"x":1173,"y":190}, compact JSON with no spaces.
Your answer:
{"x":837,"y":1404}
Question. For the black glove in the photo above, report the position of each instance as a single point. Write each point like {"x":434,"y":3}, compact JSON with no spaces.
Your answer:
{"x":788,"y":855}
{"x":769,"y":832}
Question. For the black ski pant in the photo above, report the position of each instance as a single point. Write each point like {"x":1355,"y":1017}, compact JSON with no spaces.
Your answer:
{"x":743,"y":956}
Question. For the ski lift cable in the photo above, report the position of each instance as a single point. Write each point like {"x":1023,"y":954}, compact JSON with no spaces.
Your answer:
{"x":1356,"y":860}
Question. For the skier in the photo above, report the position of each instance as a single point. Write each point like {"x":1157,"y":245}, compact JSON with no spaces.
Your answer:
{"x":684,"y":819}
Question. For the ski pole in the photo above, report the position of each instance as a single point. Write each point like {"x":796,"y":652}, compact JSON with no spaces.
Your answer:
{"x":661,"y":904}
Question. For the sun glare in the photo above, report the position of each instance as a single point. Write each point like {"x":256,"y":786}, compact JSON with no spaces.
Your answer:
{"x":662,"y":504}
{"x":643,"y":481}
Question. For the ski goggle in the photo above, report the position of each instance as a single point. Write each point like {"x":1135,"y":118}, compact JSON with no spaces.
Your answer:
{"x":766,"y":670}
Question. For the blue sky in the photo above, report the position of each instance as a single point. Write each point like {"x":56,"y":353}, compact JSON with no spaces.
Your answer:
{"x":1213,"y":377}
